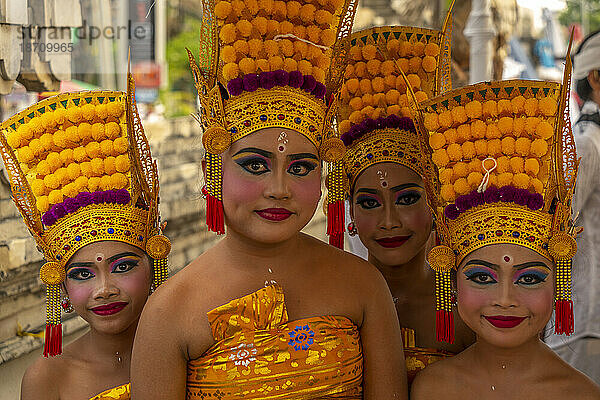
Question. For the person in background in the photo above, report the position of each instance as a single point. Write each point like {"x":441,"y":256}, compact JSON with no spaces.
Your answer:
{"x":582,"y":349}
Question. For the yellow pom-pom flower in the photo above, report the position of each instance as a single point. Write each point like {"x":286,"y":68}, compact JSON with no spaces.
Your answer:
{"x":531,"y":124}
{"x":307,"y":13}
{"x":440,"y":157}
{"x":36,"y":127}
{"x":345,"y":126}
{"x":481,"y":147}
{"x":293,"y":9}
{"x":80,"y":154}
{"x":505,"y":125}
{"x":519,"y":126}
{"x":122,"y":163}
{"x":118,"y":181}
{"x":54,"y":161}
{"x":537,"y":185}
{"x":494,"y":147}
{"x":539,"y":148}
{"x":14,"y":139}
{"x":455,"y":152}
{"x":447,"y":192}
{"x":459,"y":115}
{"x":521,"y":181}
{"x":518,"y":105}
{"x":51,"y":181}
{"x":324,"y":17}
{"x":248,"y":65}
{"x":101,"y":111}
{"x":74,"y":114}
{"x":69,"y":190}
{"x":478,"y":129}
{"x":461,"y":186}
{"x":89,"y":112}
{"x":505,"y":179}
{"x":62,"y":176}
{"x":38,"y":187}
{"x":97,"y":165}
{"x":72,"y":135}
{"x":228,"y":54}
{"x":414,"y":65}
{"x":475,"y":165}
{"x":447,"y":176}
{"x":230,"y":71}
{"x":431,"y":122}
{"x":531,"y":107}
{"x":421,"y":96}
{"x":503,"y":165}
{"x":451,"y":136}
{"x":474,"y":109}
{"x":36,"y":147}
{"x":432,"y":49}
{"x":84,"y":131}
{"x":86,"y":169}
{"x":378,"y":85}
{"x":492,"y":131}
{"x":42,"y":204}
{"x":43,"y":168}
{"x":532,"y":166}
{"x":544,"y":130}
{"x":429,"y":64}
{"x":523,"y":146}
{"x":393,"y":110}
{"x":289,"y":65}
{"x":419,"y":49}
{"x":25,"y":132}
{"x":504,"y":107}
{"x":463,"y":133}
{"x":548,"y":106}
{"x":516,"y":165}
{"x":99,"y":131}
{"x":445,"y":119}
{"x":474,"y":179}
{"x":373,"y":66}
{"x":508,"y":146}
{"x":414,"y":80}
{"x":460,"y":170}
{"x":105,"y":182}
{"x":73,"y":171}
{"x":25,"y":155}
{"x":81,"y":183}
{"x":228,"y":33}
{"x":468,"y":150}
{"x":437,"y":141}
{"x":66,"y":156}
{"x":223,"y":9}
{"x":490,"y":109}
{"x":93,"y":183}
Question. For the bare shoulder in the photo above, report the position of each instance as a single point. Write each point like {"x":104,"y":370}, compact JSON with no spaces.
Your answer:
{"x":350,"y":268}
{"x":42,"y":378}
{"x":439,"y":379}
{"x":573,"y":383}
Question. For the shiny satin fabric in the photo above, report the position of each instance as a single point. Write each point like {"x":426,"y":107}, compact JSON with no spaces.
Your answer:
{"x":121,"y":392}
{"x":260,"y":354}
{"x":417,"y":358}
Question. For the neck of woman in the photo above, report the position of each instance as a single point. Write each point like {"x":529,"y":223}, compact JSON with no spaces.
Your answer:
{"x":251,"y":250}
{"x":402,"y":276}
{"x":519,"y":358}
{"x":112,"y":348}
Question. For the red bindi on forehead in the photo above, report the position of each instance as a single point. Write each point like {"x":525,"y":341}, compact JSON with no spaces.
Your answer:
{"x":506,"y":258}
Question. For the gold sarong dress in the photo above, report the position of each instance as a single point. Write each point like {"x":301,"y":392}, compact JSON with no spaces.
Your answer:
{"x":260,"y":354}
{"x":417,"y":358}
{"x":121,"y":392}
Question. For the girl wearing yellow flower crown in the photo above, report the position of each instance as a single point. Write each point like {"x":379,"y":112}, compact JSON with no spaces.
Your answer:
{"x":83,"y":178}
{"x":270,"y":312}
{"x":503,"y":205}
{"x":384,"y":167}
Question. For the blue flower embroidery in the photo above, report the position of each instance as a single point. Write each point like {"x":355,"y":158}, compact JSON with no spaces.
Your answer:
{"x":301,"y":337}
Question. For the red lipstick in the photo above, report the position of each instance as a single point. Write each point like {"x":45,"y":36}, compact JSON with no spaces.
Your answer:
{"x":109,"y":309}
{"x":274,"y":214}
{"x":504,"y":321}
{"x":392,"y":242}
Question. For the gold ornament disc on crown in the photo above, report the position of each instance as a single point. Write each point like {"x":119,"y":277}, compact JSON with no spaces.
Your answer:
{"x":216,"y":139}
{"x":158,"y":247}
{"x":52,"y":273}
{"x":332,"y":150}
{"x":441,"y":258}
{"x":562,"y":246}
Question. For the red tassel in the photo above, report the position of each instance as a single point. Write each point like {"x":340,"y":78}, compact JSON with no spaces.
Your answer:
{"x":336,"y":223}
{"x":564,"y":321}
{"x":337,"y":240}
{"x":214,"y":215}
{"x":444,"y":326}
{"x":53,"y":340}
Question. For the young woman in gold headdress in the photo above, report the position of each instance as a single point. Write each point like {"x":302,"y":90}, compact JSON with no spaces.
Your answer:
{"x":384,"y":166}
{"x":82,"y":176}
{"x":508,"y":239}
{"x":270,"y":312}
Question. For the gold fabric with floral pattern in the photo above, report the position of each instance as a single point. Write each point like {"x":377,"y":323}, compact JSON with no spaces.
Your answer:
{"x":122,"y":392}
{"x":418,"y":358}
{"x":260,"y":354}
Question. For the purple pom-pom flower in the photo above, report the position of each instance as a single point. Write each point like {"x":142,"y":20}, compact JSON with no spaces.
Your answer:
{"x":110,"y":196}
{"x":319,"y":91}
{"x":370,"y":125}
{"x":122,"y":196}
{"x":267,"y":80}
{"x":536,"y":201}
{"x":309,"y":83}
{"x":507,"y":194}
{"x":71,"y":205}
{"x":521,"y":197}
{"x":250,"y":82}
{"x":98,"y":197}
{"x":491,"y":195}
{"x":282,"y":78}
{"x":296,"y":79}
{"x":393,"y":121}
{"x":477,"y":199}
{"x":48,"y":218}
{"x":59,"y":210}
{"x":84,"y":199}
{"x":451,"y":212}
{"x":235,"y":87}
{"x":463,"y":203}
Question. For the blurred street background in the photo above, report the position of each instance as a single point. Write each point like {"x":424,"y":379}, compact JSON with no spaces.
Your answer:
{"x":53,"y":46}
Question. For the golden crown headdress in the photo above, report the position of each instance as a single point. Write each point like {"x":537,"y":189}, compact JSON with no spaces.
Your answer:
{"x":506,"y":171}
{"x":388,"y":70}
{"x":266,"y":63}
{"x":81,"y":171}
